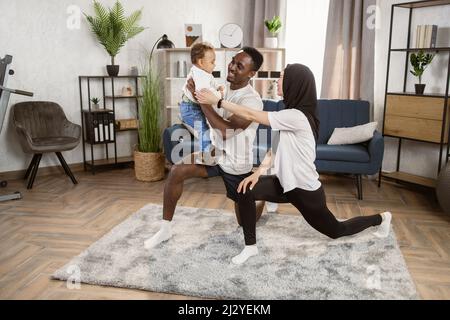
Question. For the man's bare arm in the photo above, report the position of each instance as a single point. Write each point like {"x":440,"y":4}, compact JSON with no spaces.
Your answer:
{"x":224,"y":126}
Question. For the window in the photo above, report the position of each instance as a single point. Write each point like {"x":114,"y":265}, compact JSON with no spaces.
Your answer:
{"x":306,"y":27}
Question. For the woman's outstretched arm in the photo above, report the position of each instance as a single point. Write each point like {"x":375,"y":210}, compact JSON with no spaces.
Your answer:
{"x":206,"y":97}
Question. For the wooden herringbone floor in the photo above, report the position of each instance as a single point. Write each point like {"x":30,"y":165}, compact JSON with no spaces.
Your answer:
{"x":57,"y":220}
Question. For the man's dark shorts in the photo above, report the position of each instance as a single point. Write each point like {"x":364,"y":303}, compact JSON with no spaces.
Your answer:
{"x":231,"y":181}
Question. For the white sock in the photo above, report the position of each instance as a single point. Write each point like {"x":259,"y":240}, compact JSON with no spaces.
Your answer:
{"x":164,"y":234}
{"x":271,"y":207}
{"x":384,"y":227}
{"x":248,"y":252}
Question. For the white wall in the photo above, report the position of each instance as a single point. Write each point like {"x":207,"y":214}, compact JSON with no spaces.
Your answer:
{"x":48,"y":57}
{"x":306,"y":28}
{"x":417,"y":158}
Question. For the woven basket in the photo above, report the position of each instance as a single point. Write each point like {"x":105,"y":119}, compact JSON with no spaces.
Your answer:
{"x":149,"y":167}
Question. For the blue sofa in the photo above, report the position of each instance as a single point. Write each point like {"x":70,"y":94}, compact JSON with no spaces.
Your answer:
{"x":360,"y":159}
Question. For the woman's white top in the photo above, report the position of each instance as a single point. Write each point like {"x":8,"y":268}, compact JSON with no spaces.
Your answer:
{"x":294,"y":158}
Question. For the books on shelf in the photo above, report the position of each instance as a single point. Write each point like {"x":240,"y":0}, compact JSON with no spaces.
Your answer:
{"x":426,"y":36}
{"x":99,"y":127}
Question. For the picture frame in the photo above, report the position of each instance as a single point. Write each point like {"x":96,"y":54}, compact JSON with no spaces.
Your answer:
{"x":193,"y":33}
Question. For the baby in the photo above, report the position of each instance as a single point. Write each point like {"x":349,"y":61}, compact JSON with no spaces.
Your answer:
{"x":203,"y":59}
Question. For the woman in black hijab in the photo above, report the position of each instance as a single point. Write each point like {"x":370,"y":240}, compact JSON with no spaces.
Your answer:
{"x":296,"y":180}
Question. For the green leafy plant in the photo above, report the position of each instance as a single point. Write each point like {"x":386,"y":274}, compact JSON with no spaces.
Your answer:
{"x":420,"y":62}
{"x":95,"y":100}
{"x":274,"y":25}
{"x":150,"y":112}
{"x":112,"y":28}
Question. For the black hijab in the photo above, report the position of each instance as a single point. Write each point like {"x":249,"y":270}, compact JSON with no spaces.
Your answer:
{"x":299,"y":90}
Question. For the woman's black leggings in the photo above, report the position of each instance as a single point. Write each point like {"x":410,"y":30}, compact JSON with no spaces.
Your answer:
{"x":311,"y":204}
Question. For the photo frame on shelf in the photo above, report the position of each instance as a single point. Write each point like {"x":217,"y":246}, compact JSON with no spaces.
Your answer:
{"x":193,"y":33}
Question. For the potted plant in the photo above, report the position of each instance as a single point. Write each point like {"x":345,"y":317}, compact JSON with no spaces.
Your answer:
{"x":95,"y":105}
{"x":113,"y":29}
{"x":148,"y":157}
{"x":273,"y":26}
{"x":420,"y":62}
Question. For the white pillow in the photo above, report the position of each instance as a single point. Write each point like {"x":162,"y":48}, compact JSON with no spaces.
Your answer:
{"x":353,"y":135}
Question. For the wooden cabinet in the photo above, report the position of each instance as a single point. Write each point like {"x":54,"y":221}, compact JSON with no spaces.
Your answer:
{"x":416,"y":117}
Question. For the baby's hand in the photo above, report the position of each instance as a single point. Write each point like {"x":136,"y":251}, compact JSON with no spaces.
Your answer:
{"x":221,"y":89}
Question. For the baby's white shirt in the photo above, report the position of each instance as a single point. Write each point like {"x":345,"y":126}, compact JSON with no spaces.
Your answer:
{"x":202,"y":80}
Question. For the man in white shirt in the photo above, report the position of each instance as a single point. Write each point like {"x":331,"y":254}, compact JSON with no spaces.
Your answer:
{"x":232,"y":136}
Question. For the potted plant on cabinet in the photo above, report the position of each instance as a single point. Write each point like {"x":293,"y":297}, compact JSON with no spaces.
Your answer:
{"x":113,"y":29}
{"x":148,"y":157}
{"x":273,"y":26}
{"x":420,"y":62}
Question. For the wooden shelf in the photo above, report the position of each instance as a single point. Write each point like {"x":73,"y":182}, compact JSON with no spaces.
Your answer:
{"x":127,"y":129}
{"x":440,"y":49}
{"x":422,"y":4}
{"x":122,"y":97}
{"x":225,"y":49}
{"x":99,"y":142}
{"x":111,"y":161}
{"x":431,"y":95}
{"x":410,"y":178}
{"x":265,"y":79}
{"x":98,"y":111}
{"x":105,"y":77}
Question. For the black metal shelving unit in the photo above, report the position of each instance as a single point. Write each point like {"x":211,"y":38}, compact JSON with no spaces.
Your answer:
{"x":109,"y":107}
{"x":398,"y":175}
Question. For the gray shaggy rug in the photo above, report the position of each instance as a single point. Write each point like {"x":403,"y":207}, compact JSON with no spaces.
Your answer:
{"x":295,"y":261}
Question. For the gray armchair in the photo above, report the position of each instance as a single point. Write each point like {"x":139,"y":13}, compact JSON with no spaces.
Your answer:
{"x":42,"y":128}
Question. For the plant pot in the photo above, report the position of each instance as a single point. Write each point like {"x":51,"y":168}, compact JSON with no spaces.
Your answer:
{"x":113,"y":70}
{"x":95,"y":107}
{"x":149,"y":167}
{"x":271,"y":42}
{"x":420,"y":88}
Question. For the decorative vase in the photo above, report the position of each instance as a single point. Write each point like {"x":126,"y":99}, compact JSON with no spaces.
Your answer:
{"x":420,"y":88}
{"x":443,"y":189}
{"x":271,"y":42}
{"x":148,"y":166}
{"x":113,"y":70}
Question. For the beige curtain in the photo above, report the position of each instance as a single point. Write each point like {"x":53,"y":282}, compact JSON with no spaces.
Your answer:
{"x":348,"y":71}
{"x":259,"y":11}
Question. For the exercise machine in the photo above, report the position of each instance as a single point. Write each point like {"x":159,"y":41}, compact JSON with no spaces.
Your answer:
{"x":5,"y":93}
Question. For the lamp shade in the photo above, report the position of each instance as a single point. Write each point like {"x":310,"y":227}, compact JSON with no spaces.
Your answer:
{"x":165,"y":43}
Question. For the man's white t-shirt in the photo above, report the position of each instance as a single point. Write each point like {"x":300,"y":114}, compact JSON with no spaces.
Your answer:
{"x":294,"y":159}
{"x":235,"y":155}
{"x":202,"y":80}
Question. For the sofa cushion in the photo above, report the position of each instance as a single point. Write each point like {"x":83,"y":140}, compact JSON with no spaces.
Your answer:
{"x":340,"y":114}
{"x":353,"y":135}
{"x":350,"y":153}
